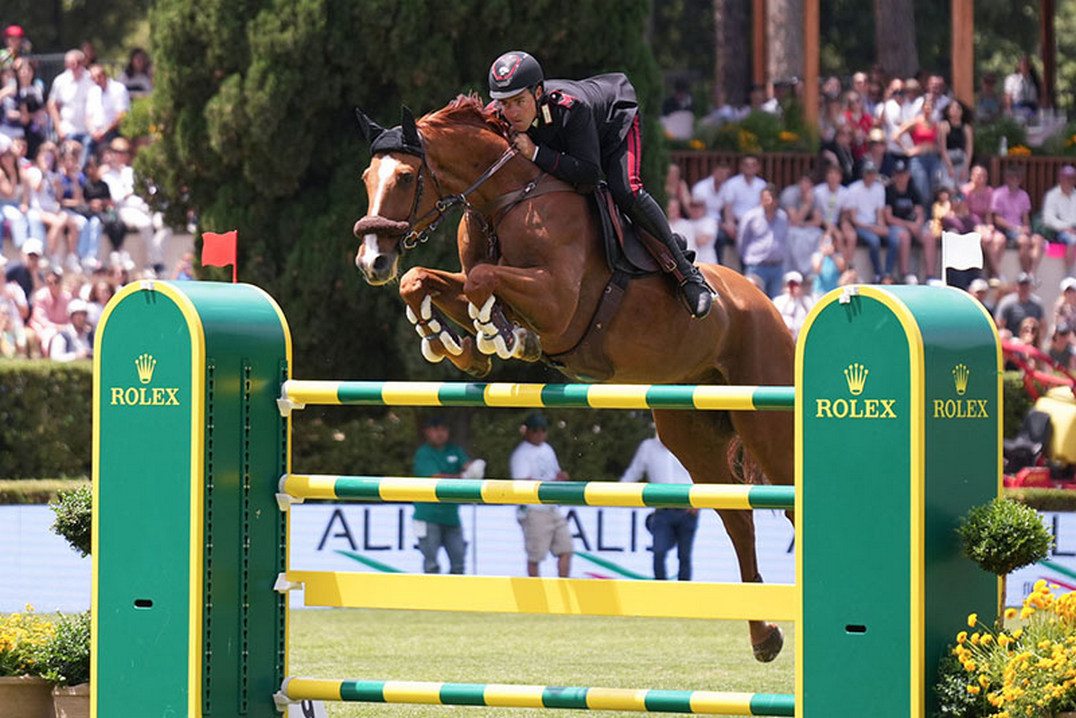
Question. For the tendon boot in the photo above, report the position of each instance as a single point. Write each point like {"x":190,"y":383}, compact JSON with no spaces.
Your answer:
{"x":694,"y":291}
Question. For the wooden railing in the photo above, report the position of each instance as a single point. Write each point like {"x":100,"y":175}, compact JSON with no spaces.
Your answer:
{"x":784,"y":168}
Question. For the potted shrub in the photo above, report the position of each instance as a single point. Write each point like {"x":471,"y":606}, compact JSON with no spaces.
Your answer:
{"x":23,"y":694}
{"x":64,"y":661}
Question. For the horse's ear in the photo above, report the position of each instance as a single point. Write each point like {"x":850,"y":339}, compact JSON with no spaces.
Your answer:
{"x":407,"y":124}
{"x":370,"y":129}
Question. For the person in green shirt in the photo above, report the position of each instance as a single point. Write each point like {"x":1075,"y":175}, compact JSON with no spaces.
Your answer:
{"x":436,"y":524}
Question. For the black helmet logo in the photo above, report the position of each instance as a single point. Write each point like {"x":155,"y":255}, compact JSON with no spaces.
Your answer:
{"x":505,"y":67}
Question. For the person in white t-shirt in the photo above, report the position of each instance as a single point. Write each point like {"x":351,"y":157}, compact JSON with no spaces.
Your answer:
{"x":830,"y":198}
{"x":106,"y":105}
{"x":670,"y":527}
{"x":708,"y":191}
{"x":545,"y":529}
{"x":707,"y":245}
{"x":742,"y":193}
{"x":865,"y":210}
{"x":67,"y":102}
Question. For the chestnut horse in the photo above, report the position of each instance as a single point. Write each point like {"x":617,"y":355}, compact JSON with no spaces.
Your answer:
{"x":533,"y":271}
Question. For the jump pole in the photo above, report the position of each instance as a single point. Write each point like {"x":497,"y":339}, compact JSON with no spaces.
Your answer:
{"x":898,"y":420}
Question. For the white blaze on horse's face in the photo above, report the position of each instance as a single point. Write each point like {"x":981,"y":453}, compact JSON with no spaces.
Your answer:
{"x":390,"y":186}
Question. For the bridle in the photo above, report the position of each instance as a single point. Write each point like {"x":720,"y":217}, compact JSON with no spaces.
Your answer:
{"x":444,"y":202}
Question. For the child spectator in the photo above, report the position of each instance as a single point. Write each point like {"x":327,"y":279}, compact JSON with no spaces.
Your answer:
{"x":793,"y":303}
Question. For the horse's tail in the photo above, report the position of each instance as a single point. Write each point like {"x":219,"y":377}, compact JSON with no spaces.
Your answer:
{"x":742,"y":465}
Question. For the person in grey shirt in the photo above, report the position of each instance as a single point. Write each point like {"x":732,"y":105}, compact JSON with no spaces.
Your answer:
{"x":762,"y":241}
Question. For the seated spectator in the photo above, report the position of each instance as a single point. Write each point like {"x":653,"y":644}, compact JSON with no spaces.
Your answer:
{"x":980,"y":289}
{"x":106,"y":105}
{"x":137,"y":76}
{"x":841,"y":153}
{"x":12,"y":199}
{"x":830,"y":198}
{"x":861,"y":86}
{"x":805,"y":224}
{"x":861,"y":122}
{"x":1010,"y":211}
{"x":793,"y":303}
{"x":27,"y":273}
{"x":741,"y":193}
{"x":14,"y":311}
{"x":676,"y":187}
{"x":706,"y":246}
{"x":875,"y":152}
{"x":1059,"y":215}
{"x":45,"y":213}
{"x":1060,"y":347}
{"x":1023,"y":91}
{"x":762,"y":241}
{"x":987,"y":104}
{"x":1018,"y":306}
{"x":677,"y":112}
{"x":978,"y":197}
{"x":831,"y":119}
{"x":100,"y":292}
{"x":680,"y":99}
{"x":15,"y":46}
{"x":132,"y":210}
{"x":1065,"y":306}
{"x":865,"y":211}
{"x":74,"y":340}
{"x":67,"y":101}
{"x":49,"y":311}
{"x":905,"y":219}
{"x":679,"y":224}
{"x":708,"y":191}
{"x":29,"y":98}
{"x":1030,"y":334}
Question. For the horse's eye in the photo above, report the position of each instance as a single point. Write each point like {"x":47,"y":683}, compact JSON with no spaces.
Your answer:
{"x":406,"y":179}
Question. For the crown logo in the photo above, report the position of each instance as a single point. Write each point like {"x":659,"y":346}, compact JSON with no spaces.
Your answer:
{"x":145,"y":364}
{"x":960,"y":378}
{"x":856,"y":375}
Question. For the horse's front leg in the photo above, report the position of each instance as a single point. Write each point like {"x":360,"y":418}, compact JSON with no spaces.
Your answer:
{"x":430,"y":295}
{"x":532,"y":293}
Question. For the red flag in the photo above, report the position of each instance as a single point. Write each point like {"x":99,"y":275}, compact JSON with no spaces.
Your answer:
{"x":218,"y":250}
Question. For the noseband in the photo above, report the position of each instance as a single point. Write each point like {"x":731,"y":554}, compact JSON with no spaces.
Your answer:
{"x":444,"y":202}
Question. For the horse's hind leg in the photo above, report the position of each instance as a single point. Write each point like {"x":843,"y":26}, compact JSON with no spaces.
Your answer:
{"x":430,"y":294}
{"x":701,"y":441}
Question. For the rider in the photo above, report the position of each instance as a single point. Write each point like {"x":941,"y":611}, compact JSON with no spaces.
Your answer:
{"x":575,"y":131}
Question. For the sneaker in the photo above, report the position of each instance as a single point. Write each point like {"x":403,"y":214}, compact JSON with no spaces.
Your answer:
{"x":911,"y":279}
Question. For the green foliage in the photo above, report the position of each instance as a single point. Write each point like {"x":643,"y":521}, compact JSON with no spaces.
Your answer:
{"x":758,"y":132}
{"x":253,"y":106}
{"x":1062,"y":500}
{"x":1061,"y":144}
{"x":74,"y":514}
{"x":65,"y":658}
{"x":21,"y":636}
{"x":34,"y":491}
{"x":1003,"y":535}
{"x":45,"y":417}
{"x":1016,"y":403}
{"x":58,"y":27}
{"x":988,"y":137}
{"x":951,"y":688}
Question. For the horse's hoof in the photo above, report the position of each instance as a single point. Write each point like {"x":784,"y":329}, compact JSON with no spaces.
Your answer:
{"x":428,"y":353}
{"x":769,"y":648}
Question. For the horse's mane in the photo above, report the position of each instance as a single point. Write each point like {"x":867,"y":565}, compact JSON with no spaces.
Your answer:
{"x":467,"y":109}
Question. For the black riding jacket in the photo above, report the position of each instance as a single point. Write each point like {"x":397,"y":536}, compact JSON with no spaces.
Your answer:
{"x":579,"y":123}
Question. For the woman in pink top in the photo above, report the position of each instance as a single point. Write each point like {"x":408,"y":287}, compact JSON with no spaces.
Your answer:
{"x":923,"y":158}
{"x":49,"y":313}
{"x":978,"y":196}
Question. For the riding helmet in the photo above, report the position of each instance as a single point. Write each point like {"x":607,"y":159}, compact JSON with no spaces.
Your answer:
{"x":512,"y":73}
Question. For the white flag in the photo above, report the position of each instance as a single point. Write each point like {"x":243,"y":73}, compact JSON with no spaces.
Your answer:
{"x":961,"y":251}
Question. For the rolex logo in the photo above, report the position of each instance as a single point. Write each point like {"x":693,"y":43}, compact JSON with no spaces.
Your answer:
{"x":960,"y":378}
{"x":145,"y":364}
{"x":856,"y":375}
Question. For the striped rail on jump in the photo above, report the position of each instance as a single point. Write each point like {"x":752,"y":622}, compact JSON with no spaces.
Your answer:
{"x":493,"y":491}
{"x":298,"y":393}
{"x":522,"y":696}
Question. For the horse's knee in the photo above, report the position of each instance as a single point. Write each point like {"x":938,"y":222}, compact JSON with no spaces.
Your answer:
{"x":411,"y":283}
{"x":481,"y":283}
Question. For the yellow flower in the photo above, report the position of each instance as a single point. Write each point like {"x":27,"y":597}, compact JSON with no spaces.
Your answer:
{"x":696,"y":144}
{"x":987,"y":639}
{"x":1010,"y":614}
{"x":962,"y":636}
{"x":974,"y":690}
{"x":973,"y":618}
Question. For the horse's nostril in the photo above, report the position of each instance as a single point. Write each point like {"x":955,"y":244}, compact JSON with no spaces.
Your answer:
{"x":382,"y":263}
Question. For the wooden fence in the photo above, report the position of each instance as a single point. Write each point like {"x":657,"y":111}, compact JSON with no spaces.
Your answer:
{"x":784,"y":168}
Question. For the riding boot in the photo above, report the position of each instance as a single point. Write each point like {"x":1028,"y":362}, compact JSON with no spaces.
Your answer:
{"x":696,"y":294}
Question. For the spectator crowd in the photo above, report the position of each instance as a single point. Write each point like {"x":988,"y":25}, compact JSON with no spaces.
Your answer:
{"x":66,"y":181}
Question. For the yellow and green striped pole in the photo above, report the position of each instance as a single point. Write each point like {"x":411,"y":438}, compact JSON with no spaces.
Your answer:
{"x":297,"y":393}
{"x":494,"y":491}
{"x":522,"y":696}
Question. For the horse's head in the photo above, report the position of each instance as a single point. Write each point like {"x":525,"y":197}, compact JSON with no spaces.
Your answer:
{"x":394,"y":185}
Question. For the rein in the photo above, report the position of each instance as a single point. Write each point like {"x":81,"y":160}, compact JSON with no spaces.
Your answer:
{"x":444,"y":203}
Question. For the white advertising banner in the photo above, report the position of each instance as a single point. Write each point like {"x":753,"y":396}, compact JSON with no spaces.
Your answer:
{"x":40,"y":569}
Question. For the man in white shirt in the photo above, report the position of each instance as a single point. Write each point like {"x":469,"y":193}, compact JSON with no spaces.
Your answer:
{"x":708,"y":191}
{"x":704,"y":229}
{"x":894,"y":113}
{"x":131,"y":209}
{"x":830,"y":197}
{"x":1059,"y":214}
{"x":865,"y":210}
{"x":670,"y":527}
{"x":106,"y":105}
{"x":742,"y":193}
{"x":67,"y":102}
{"x":545,"y":529}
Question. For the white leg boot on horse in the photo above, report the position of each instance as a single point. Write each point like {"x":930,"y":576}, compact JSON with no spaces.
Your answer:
{"x":426,"y":294}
